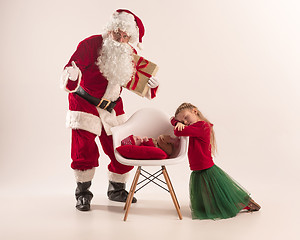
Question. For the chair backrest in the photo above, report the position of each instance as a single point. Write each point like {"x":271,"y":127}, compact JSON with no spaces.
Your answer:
{"x":148,"y":122}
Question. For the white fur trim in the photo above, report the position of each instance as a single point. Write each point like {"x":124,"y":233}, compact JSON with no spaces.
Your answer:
{"x":148,"y":93}
{"x":84,"y":176}
{"x":140,"y":46}
{"x":110,"y":120}
{"x":121,"y":119}
{"x":84,"y":121}
{"x":112,"y":92}
{"x":115,"y":177}
{"x":64,"y":79}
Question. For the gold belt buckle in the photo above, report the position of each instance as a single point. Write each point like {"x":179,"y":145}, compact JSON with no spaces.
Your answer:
{"x":107,"y":104}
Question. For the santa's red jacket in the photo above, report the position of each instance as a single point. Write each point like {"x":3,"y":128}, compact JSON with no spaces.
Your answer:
{"x":82,"y":114}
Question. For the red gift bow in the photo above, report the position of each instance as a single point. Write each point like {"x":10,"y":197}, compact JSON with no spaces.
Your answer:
{"x":138,"y":69}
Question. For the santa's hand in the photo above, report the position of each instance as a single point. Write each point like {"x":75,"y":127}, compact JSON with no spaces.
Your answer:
{"x":153,"y":82}
{"x":73,"y":71}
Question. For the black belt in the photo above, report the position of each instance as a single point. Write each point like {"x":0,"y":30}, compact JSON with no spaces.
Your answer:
{"x":102,"y":103}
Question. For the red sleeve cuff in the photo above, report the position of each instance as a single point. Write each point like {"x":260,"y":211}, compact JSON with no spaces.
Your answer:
{"x":72,"y":85}
{"x":153,"y":92}
{"x":174,"y":121}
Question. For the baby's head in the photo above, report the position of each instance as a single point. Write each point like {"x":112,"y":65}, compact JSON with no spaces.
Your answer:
{"x":132,"y":140}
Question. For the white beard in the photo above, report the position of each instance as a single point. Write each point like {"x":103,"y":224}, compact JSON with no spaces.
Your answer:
{"x":115,"y":62}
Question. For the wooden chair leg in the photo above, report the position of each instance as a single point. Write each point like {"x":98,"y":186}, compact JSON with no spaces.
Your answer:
{"x":169,"y":184}
{"x":131,"y":192}
{"x":131,"y":187}
{"x":167,"y":175}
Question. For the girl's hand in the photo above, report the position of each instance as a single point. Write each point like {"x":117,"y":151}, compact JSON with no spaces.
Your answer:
{"x":179,"y":126}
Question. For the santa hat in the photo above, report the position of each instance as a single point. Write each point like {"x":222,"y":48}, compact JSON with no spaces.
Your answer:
{"x":128,"y":141}
{"x":127,"y":22}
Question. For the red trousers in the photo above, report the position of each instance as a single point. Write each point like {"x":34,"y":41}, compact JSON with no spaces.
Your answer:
{"x":85,"y":153}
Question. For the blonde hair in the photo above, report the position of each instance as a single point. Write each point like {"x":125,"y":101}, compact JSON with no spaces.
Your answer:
{"x":190,"y":106}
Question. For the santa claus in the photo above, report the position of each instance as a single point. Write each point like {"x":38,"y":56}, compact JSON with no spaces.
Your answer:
{"x":94,"y":77}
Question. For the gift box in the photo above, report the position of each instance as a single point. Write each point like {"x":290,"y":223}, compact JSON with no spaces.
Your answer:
{"x":144,"y":70}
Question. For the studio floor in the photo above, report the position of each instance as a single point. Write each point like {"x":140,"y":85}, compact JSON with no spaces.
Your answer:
{"x":40,"y":216}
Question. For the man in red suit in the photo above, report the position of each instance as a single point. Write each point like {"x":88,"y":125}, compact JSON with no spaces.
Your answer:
{"x":94,"y":77}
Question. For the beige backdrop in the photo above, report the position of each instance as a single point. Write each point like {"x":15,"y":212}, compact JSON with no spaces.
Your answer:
{"x":238,"y":61}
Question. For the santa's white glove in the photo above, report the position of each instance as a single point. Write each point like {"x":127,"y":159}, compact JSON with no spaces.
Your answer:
{"x":153,"y":82}
{"x":73,"y":72}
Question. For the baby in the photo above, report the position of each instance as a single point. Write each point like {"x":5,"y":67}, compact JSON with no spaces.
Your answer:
{"x":164,"y":142}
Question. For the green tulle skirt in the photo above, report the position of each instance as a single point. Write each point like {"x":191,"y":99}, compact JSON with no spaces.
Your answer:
{"x":215,"y":195}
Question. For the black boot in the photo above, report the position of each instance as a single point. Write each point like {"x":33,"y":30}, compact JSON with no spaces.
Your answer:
{"x":83,"y":196}
{"x":116,"y":192}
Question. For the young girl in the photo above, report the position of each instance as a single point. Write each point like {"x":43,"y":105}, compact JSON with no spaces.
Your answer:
{"x":213,"y":193}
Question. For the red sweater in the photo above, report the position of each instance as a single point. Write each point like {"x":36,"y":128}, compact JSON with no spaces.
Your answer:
{"x":199,"y":151}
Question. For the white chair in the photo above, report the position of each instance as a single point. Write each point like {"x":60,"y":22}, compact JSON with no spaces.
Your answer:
{"x":151,"y":123}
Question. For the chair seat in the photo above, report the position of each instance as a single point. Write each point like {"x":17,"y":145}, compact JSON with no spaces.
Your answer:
{"x":148,"y":122}
{"x":149,"y":162}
